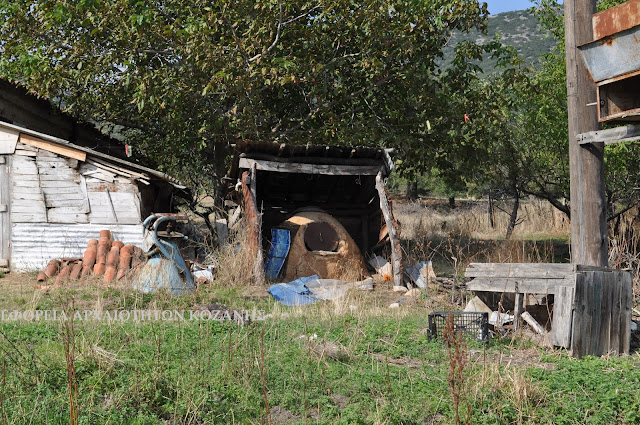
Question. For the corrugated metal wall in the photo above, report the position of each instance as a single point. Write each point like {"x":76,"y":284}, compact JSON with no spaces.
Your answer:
{"x":34,"y":244}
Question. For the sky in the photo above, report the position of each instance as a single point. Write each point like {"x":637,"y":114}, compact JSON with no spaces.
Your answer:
{"x":499,"y":6}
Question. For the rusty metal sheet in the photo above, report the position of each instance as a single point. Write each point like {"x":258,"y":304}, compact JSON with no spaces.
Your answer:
{"x":616,"y":19}
{"x":613,"y":56}
{"x":320,"y":236}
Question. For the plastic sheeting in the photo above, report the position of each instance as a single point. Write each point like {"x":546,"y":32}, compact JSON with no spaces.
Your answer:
{"x":280,"y":244}
{"x":294,"y":293}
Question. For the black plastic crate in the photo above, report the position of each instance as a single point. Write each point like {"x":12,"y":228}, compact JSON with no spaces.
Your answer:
{"x":473,"y":325}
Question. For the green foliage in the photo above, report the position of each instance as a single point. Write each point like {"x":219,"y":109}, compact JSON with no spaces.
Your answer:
{"x":188,"y":79}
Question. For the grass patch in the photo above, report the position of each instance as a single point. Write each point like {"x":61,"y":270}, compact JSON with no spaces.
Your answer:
{"x":196,"y":372}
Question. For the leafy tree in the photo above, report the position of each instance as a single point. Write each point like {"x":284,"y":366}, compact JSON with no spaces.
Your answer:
{"x":185,"y":80}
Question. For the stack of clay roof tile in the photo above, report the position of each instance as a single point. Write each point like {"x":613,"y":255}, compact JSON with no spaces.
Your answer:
{"x":103,"y":257}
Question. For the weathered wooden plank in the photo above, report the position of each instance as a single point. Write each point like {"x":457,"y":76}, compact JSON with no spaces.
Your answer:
{"x":55,"y":195}
{"x":605,"y":312}
{"x":59,"y":149}
{"x":34,"y":195}
{"x":56,"y":217}
{"x":5,"y":216}
{"x":98,"y":177}
{"x":70,"y":180}
{"x":533,"y":323}
{"x":615,"y":342}
{"x":578,"y":316}
{"x":27,"y":184}
{"x":627,"y":133}
{"x":111,"y":167}
{"x":595,"y":348}
{"x":52,"y":191}
{"x":562,"y":317}
{"x":8,"y":142}
{"x":17,"y":177}
{"x":517,"y":310}
{"x":514,"y":285}
{"x":626,"y":306}
{"x":111,"y":187}
{"x":101,"y":208}
{"x":27,"y":191}
{"x":587,"y":303}
{"x":22,"y":146}
{"x":27,"y":205}
{"x":24,"y":159}
{"x":126,"y":206}
{"x":525,"y":270}
{"x":78,"y":204}
{"x":300,"y":168}
{"x":44,"y":157}
{"x":24,"y":167}
{"x":62,"y":172}
{"x":524,"y":266}
{"x":45,"y":183}
{"x":21,"y":152}
{"x":53,"y":162}
{"x":31,"y":217}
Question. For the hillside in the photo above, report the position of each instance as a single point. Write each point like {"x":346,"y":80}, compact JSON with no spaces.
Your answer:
{"x":519,"y":29}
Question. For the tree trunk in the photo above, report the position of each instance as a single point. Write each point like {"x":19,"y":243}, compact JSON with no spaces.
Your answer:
{"x":452,"y":202}
{"x":412,"y":190}
{"x":492,"y":222}
{"x":513,"y":217}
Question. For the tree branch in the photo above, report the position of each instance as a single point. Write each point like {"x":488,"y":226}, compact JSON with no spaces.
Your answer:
{"x":275,"y":41}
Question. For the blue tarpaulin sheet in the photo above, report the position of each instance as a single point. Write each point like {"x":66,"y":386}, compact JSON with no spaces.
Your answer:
{"x":280,"y":243}
{"x":293,"y":293}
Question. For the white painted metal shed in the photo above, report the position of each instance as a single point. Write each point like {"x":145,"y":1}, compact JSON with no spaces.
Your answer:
{"x":55,"y":196}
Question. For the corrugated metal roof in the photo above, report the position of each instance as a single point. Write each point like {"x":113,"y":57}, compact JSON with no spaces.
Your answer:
{"x":34,"y":244}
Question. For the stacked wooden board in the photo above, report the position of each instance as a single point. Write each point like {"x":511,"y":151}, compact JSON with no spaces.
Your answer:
{"x":592,"y":305}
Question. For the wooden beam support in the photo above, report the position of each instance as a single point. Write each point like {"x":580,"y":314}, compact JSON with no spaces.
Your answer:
{"x":527,"y":286}
{"x":627,"y":133}
{"x":517,"y":311}
{"x":394,"y":237}
{"x":53,"y":147}
{"x":586,"y":162}
{"x":5,"y":214}
{"x":302,"y":168}
{"x":254,"y":224}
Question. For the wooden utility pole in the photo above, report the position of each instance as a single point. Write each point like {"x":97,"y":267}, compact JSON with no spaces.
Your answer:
{"x":586,"y":162}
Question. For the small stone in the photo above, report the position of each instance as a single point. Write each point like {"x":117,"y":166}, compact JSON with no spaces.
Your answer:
{"x":394,"y":305}
{"x":399,"y":289}
{"x":413,"y":293}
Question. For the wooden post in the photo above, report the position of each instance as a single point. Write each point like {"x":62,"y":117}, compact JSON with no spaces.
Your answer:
{"x":517,"y":310}
{"x":586,"y":163}
{"x":254,"y":224}
{"x":396,"y":249}
{"x":5,"y":212}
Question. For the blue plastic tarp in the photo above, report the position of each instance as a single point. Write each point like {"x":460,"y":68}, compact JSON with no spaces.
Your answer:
{"x":294,"y":293}
{"x":280,"y":243}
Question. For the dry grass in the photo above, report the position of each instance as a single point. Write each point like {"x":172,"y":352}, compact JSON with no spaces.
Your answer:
{"x":471,"y":218}
{"x":234,"y":262}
